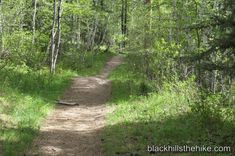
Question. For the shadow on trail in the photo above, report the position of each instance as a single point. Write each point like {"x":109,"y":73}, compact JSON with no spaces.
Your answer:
{"x":75,"y":130}
{"x":128,"y":138}
{"x":62,"y":146}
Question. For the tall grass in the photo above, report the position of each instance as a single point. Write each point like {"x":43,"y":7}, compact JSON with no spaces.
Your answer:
{"x":178,"y":114}
{"x":86,"y":64}
{"x":26,"y":98}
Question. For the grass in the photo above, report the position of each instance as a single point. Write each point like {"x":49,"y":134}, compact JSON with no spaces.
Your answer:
{"x":26,"y":98}
{"x":163,"y":118}
{"x":89,"y":65}
{"x":94,"y":65}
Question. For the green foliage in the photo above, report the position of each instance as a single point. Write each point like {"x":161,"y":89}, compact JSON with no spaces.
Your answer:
{"x":232,"y":95}
{"x":85,"y":63}
{"x":164,"y":60}
{"x":209,"y":106}
{"x":83,"y":8}
{"x":175,"y":49}
{"x":20,"y":48}
{"x":176,"y":115}
{"x":157,"y":65}
{"x":124,"y":86}
{"x":26,"y":97}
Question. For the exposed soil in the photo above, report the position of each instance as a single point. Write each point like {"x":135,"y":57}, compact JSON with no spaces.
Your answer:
{"x":75,"y":130}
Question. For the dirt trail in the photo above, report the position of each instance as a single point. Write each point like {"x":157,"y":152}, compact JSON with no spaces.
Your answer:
{"x":75,"y":130}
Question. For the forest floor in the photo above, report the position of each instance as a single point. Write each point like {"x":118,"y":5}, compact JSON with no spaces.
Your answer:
{"x":76,"y":130}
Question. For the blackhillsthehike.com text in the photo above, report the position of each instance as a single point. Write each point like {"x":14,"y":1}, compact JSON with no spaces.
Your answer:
{"x":186,"y":148}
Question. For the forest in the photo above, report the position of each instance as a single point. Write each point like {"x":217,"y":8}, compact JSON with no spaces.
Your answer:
{"x":117,"y":77}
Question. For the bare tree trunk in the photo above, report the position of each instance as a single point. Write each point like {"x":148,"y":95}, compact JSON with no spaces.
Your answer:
{"x":214,"y":76}
{"x":104,"y":32}
{"x":91,"y":33}
{"x":34,"y":20}
{"x":94,"y":30}
{"x":79,"y":32}
{"x":60,"y":10}
{"x":223,"y":88}
{"x":53,"y":38}
{"x":198,"y":45}
{"x":1,"y":30}
{"x":147,"y":38}
{"x":124,"y":23}
{"x":214,"y":81}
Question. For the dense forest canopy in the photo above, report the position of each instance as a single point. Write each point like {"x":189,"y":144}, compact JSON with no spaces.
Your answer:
{"x":179,"y":48}
{"x":169,"y":37}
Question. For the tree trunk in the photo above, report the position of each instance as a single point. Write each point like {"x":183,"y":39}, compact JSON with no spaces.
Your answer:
{"x":124,"y":23}
{"x":147,"y":37}
{"x":79,"y":32}
{"x":1,"y":30}
{"x":60,"y":10}
{"x":53,"y":38}
{"x":92,"y":39}
{"x":34,"y":20}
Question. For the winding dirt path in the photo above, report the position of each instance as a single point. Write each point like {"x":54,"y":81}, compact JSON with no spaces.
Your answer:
{"x":75,"y":130}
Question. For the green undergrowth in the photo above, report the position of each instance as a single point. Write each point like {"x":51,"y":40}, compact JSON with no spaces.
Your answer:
{"x":178,"y":114}
{"x":26,"y":98}
{"x":88,"y":64}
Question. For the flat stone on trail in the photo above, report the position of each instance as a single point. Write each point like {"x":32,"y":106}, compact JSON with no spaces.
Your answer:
{"x":67,"y":103}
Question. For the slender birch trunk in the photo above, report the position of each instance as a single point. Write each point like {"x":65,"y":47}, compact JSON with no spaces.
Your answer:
{"x":92,"y":39}
{"x":1,"y":30}
{"x":147,"y":37}
{"x":78,"y":33}
{"x":60,"y":10}
{"x":53,"y":38}
{"x":122,"y":25}
{"x":34,"y":20}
